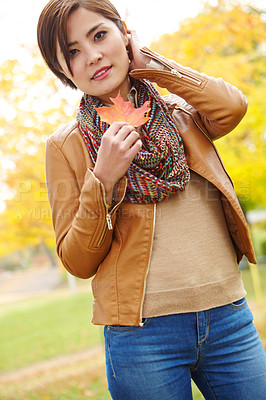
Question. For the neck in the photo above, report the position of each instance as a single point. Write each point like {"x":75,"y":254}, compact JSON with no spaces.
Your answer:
{"x":124,"y":90}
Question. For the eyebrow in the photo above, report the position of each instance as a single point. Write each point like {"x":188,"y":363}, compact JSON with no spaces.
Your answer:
{"x":94,"y":28}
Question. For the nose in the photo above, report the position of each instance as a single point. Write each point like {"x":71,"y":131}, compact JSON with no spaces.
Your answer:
{"x":93,"y":55}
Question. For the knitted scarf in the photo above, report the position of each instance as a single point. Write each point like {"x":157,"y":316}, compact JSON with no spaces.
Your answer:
{"x":160,"y":168}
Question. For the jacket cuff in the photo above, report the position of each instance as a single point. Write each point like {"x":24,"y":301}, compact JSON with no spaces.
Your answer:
{"x":119,"y":190}
{"x":158,"y":62}
{"x":169,"y":74}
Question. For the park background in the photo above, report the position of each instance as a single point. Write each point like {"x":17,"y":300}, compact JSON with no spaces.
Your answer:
{"x":48,"y":347}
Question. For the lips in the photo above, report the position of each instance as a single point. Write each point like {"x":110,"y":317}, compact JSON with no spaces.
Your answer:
{"x":101,"y":73}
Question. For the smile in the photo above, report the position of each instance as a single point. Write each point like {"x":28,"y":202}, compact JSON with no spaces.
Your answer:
{"x":101,"y":73}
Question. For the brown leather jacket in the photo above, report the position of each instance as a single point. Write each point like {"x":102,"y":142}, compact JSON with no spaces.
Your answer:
{"x":116,"y":245}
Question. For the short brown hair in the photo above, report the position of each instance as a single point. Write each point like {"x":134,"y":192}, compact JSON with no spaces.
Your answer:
{"x":51,"y":29}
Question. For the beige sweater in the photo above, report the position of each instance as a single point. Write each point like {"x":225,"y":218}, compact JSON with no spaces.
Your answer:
{"x":200,"y":269}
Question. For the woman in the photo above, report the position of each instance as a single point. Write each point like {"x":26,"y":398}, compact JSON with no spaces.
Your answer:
{"x":151,"y":212}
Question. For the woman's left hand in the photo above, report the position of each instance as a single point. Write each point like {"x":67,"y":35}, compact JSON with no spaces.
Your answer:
{"x":138,"y":60}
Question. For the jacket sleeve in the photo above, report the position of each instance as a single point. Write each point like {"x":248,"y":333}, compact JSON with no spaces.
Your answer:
{"x":219,"y":105}
{"x":79,"y":210}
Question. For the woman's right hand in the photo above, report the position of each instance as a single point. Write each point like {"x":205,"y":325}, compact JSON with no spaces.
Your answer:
{"x":138,"y":60}
{"x":119,"y":145}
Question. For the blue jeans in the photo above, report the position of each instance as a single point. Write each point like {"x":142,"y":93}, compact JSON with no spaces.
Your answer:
{"x":219,"y":349}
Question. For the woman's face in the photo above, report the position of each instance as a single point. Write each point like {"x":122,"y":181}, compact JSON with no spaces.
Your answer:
{"x":98,"y":55}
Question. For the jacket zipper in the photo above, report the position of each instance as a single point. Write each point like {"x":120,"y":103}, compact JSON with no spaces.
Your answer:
{"x":108,"y":219}
{"x":108,"y":223}
{"x":145,"y":280}
{"x":207,"y":137}
{"x":174,"y":71}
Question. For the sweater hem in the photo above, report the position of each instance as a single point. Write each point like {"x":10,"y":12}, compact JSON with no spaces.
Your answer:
{"x":194,"y":299}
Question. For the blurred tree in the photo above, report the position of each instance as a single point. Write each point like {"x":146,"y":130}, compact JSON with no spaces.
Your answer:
{"x":229,"y":40}
{"x":33,"y":105}
{"x":226,"y":40}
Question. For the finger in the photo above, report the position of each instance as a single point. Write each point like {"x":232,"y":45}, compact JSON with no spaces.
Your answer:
{"x":124,"y":131}
{"x":133,"y":35}
{"x":115,"y":128}
{"x":131,"y":139}
{"x":133,"y":39}
{"x":134,"y":149}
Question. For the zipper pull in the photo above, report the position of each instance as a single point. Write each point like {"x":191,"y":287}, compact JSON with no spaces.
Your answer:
{"x":109,"y":222}
{"x":175,"y":72}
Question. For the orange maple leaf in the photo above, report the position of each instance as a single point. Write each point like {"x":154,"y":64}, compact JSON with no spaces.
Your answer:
{"x":124,"y":111}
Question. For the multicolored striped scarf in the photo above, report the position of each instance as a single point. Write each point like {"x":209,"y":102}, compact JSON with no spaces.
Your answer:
{"x":160,"y":168}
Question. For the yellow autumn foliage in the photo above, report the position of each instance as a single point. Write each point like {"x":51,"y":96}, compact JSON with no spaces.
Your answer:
{"x":229,"y":41}
{"x":226,"y":40}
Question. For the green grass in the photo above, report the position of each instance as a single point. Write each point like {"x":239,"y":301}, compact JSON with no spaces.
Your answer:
{"x":248,"y":281}
{"x":57,"y":324}
{"x":97,"y":391}
{"x":41,"y":328}
{"x":259,"y":237}
{"x":79,"y":381}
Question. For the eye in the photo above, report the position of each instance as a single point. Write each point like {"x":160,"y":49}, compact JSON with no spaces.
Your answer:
{"x":73,"y":52}
{"x":100,"y":35}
